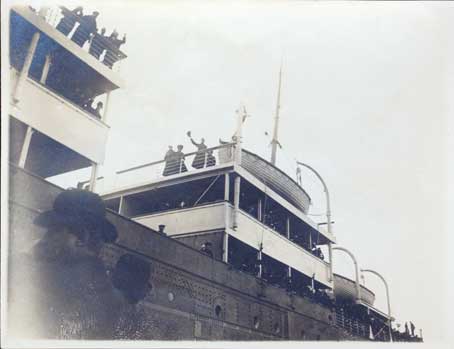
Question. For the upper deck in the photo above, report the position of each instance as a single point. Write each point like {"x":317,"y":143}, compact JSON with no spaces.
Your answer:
{"x":259,"y":178}
{"x":54,"y":85}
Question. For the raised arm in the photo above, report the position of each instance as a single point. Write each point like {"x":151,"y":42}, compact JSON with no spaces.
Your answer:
{"x":194,"y":142}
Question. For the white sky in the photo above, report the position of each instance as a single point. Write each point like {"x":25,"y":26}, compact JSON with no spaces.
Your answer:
{"x":365,"y":100}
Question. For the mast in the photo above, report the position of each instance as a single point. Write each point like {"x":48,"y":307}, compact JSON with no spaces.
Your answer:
{"x":274,"y":141}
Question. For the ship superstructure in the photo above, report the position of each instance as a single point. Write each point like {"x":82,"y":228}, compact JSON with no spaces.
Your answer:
{"x":233,"y":253}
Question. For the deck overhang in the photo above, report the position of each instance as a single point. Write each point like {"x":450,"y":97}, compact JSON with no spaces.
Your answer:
{"x":108,"y":79}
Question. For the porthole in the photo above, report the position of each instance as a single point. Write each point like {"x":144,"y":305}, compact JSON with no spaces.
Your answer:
{"x":256,"y":322}
{"x":170,"y":297}
{"x":218,"y":310}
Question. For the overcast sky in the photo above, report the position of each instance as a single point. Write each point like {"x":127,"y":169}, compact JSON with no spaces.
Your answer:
{"x":365,"y":100}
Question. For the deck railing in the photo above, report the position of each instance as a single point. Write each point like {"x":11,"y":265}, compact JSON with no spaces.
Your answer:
{"x":170,"y":167}
{"x":99,"y":46}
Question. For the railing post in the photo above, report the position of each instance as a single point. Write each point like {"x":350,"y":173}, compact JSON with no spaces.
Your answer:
{"x":26,"y":67}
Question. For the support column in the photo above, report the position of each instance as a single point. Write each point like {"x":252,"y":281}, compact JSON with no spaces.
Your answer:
{"x":259,"y":210}
{"x":259,"y":258}
{"x":120,"y":206}
{"x":225,"y":243}
{"x":330,"y":252}
{"x":106,"y":108}
{"x":94,"y":174}
{"x":25,"y":146}
{"x":287,"y":230}
{"x":236,"y":201}
{"x":26,"y":67}
{"x":225,"y":251}
{"x":47,"y":64}
{"x":227,"y":187}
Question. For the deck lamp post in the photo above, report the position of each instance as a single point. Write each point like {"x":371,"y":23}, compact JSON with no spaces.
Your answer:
{"x":328,"y":214}
{"x":358,"y":291}
{"x":387,"y":298}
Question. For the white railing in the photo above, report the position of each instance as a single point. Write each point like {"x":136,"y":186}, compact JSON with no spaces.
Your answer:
{"x":172,"y":166}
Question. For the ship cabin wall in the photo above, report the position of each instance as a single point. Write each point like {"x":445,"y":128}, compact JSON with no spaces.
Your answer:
{"x":49,"y":71}
{"x":275,"y":239}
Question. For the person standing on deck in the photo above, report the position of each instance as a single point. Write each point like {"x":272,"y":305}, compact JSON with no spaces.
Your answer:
{"x":412,"y":329}
{"x":97,"y":44}
{"x":68,"y":21}
{"x":86,"y":28}
{"x":199,"y":159}
{"x":211,"y":160}
{"x":171,"y":165}
{"x":179,"y":160}
{"x":112,"y":51}
{"x":226,"y":153}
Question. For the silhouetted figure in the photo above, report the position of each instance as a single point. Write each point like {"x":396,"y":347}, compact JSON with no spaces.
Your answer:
{"x":112,"y":54}
{"x":211,"y":160}
{"x":98,"y":109}
{"x":412,"y":328}
{"x":206,"y":249}
{"x":69,"y":20}
{"x":226,"y":154}
{"x":98,"y":44}
{"x":179,"y":160}
{"x":63,"y":290}
{"x":171,"y":163}
{"x":87,"y":27}
{"x":406,"y":329}
{"x":199,"y":159}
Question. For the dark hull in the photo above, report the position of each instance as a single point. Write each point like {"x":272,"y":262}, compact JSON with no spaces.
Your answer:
{"x":188,"y":286}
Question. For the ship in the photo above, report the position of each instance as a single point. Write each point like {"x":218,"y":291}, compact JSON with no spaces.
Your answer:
{"x":233,"y":252}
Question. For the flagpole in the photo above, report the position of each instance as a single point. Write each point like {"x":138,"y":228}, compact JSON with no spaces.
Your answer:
{"x":274,"y":141}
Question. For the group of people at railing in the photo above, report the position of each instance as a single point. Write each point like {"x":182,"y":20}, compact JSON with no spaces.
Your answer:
{"x":175,"y":160}
{"x":276,"y":223}
{"x":87,"y":30}
{"x":408,"y":335}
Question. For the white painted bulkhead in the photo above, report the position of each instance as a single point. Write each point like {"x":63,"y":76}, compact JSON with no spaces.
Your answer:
{"x":250,"y":231}
{"x":62,"y":121}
